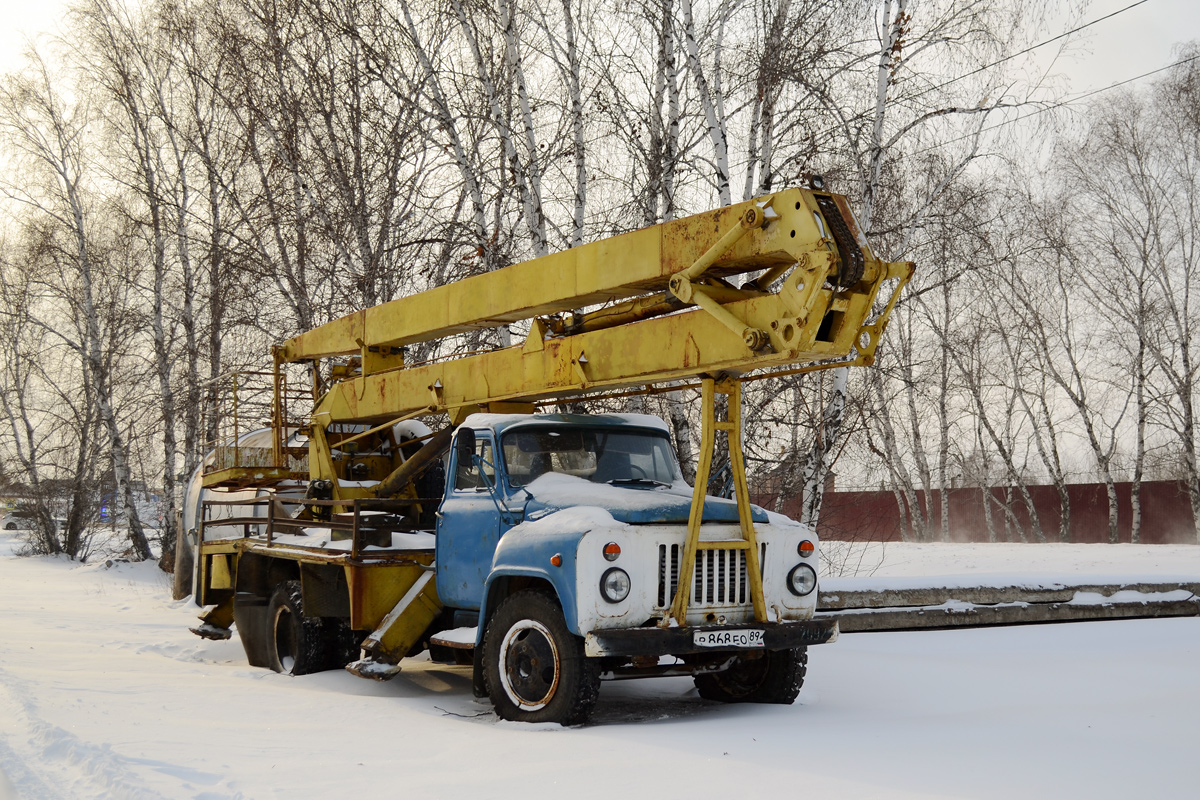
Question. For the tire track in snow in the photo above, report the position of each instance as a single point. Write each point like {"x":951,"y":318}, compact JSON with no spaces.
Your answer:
{"x":18,"y":781}
{"x":44,"y":761}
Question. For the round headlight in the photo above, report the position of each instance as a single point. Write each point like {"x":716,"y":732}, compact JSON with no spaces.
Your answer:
{"x":801,"y":580}
{"x":614,"y":585}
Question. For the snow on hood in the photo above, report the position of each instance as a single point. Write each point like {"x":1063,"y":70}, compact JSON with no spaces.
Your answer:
{"x":577,"y":518}
{"x":631,"y":504}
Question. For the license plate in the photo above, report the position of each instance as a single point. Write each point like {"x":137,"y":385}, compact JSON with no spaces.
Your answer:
{"x":730,"y":638}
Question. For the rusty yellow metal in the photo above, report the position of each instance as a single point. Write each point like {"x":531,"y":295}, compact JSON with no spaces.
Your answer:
{"x":673,"y":347}
{"x":215,"y":561}
{"x":220,"y":576}
{"x":245,"y":477}
{"x":407,"y":619}
{"x":809,"y":321}
{"x":376,"y":589}
{"x":732,"y":426}
{"x":617,"y":268}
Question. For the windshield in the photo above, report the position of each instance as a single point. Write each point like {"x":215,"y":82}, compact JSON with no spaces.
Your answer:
{"x":599,"y":455}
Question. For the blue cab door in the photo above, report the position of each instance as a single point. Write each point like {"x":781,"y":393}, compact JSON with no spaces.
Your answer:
{"x":469,"y":526}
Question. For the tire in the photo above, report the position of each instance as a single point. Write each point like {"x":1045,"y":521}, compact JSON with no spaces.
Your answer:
{"x":774,"y":677}
{"x":534,"y":667}
{"x":10,"y":526}
{"x":297,"y":645}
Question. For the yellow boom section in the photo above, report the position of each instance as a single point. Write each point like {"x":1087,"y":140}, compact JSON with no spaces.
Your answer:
{"x":675,"y":314}
{"x":632,"y":264}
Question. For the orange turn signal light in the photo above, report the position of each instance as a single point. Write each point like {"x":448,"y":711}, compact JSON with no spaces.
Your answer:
{"x":806,"y":548}
{"x":556,"y":560}
{"x":611,"y":551}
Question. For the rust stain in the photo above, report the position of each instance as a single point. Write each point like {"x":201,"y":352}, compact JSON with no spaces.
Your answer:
{"x":691,"y":352}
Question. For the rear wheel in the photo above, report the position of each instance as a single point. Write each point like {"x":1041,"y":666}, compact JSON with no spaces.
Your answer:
{"x":298,"y":645}
{"x":773,"y":676}
{"x":534,"y":666}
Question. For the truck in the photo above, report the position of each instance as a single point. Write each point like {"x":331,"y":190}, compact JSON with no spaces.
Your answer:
{"x":548,"y":551}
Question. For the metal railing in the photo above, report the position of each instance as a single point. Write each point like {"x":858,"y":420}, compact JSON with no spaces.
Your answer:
{"x":277,"y":520}
{"x":249,"y":400}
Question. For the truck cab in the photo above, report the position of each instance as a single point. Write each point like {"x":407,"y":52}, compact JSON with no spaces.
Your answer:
{"x":561,"y":537}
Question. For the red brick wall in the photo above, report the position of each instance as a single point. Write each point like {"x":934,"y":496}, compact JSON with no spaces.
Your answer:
{"x":874,"y":516}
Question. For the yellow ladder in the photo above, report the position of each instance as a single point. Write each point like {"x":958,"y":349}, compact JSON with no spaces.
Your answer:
{"x":732,"y":425}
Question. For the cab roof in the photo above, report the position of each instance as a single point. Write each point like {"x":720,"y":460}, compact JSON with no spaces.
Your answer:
{"x":501,"y":422}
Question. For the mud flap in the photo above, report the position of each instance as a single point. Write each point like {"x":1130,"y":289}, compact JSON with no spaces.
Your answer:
{"x":250,"y":614}
{"x":478,"y":684}
{"x":215,"y":622}
{"x":375,"y":670}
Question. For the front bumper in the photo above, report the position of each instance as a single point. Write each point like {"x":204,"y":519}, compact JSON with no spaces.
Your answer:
{"x":680,"y":641}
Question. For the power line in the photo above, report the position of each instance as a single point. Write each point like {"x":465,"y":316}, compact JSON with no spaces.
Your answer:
{"x":1061,"y":104}
{"x":1029,"y":49}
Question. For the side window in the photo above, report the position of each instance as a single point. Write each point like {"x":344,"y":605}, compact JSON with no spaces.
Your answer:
{"x":467,"y":476}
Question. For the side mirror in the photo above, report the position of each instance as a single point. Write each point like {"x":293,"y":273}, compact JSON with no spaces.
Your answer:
{"x":464,"y":446}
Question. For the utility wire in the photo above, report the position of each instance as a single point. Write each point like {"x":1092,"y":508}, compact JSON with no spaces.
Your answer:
{"x":1061,"y":104}
{"x":1029,"y":49}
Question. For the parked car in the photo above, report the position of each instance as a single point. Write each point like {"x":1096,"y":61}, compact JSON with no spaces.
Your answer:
{"x":19,"y":519}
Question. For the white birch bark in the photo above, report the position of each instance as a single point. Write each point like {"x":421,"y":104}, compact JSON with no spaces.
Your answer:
{"x":710,"y":99}
{"x":577,"y":126}
{"x":893,"y":27}
{"x":535,"y":213}
{"x":128,"y":69}
{"x":42,"y":131}
{"x":816,"y":467}
{"x":534,"y":220}
{"x":447,"y":123}
{"x":682,"y":428}
{"x":944,"y":415}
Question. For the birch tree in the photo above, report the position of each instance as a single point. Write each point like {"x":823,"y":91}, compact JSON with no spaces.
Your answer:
{"x":50,"y":137}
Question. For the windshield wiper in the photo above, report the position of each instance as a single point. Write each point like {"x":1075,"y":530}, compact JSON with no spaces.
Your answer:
{"x":637,"y":482}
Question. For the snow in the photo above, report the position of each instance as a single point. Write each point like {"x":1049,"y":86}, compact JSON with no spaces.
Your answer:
{"x":401,"y":540}
{"x":105,"y":694}
{"x":459,"y":635}
{"x":410,"y":429}
{"x":485,"y":420}
{"x":1130,"y":596}
{"x":557,"y":489}
{"x":575,"y":518}
{"x":893,"y":565}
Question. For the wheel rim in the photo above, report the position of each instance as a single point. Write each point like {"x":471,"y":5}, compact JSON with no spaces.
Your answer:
{"x":285,"y":639}
{"x":529,"y":665}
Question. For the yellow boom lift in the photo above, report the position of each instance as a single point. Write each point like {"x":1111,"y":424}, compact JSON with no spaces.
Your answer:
{"x":778,"y":285}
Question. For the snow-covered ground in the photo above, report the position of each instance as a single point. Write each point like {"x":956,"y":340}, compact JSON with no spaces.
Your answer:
{"x":105,"y":694}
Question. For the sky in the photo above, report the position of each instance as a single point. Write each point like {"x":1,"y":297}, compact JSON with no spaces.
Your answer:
{"x":1129,"y":44}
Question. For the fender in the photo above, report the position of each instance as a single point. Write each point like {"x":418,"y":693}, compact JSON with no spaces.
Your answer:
{"x":522,"y":558}
{"x":522,"y":561}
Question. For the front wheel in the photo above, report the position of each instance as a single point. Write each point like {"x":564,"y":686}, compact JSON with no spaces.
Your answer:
{"x":772,"y":676}
{"x":534,"y":667}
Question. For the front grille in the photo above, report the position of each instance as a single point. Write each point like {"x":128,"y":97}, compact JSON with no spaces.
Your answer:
{"x":719,"y":578}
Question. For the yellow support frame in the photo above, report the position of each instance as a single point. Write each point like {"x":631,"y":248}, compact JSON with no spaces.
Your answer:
{"x":732,"y":425}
